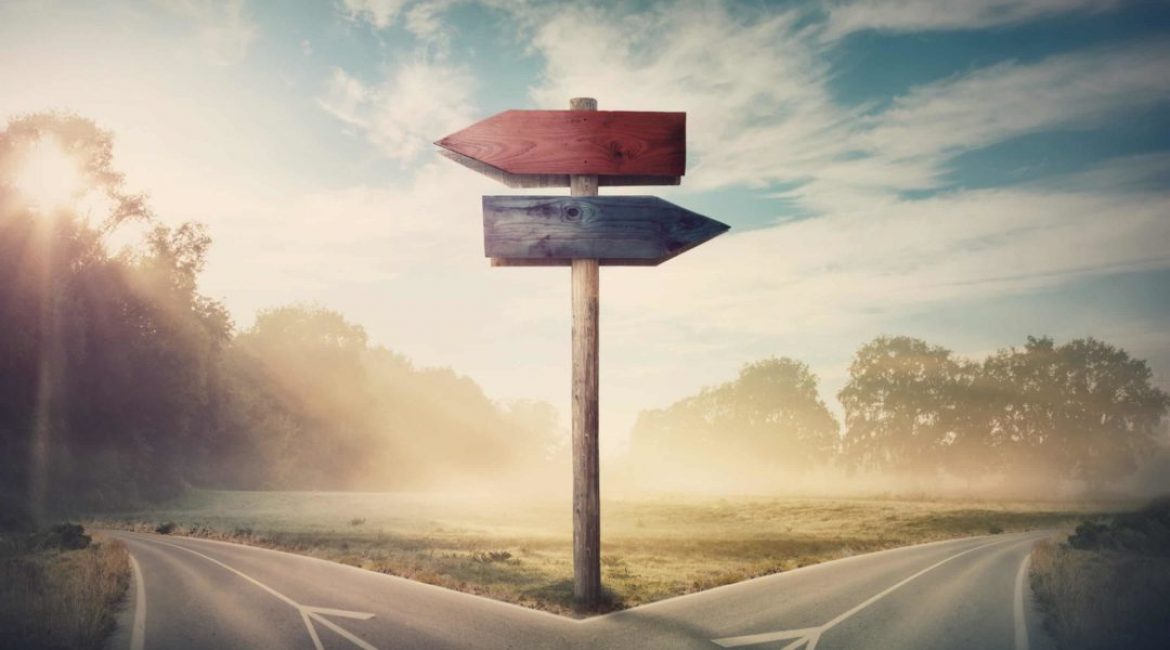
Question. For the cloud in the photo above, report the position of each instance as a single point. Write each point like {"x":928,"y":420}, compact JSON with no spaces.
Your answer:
{"x":414,"y":105}
{"x":816,"y":289}
{"x":1136,"y":173}
{"x":379,"y":13}
{"x":847,"y":269}
{"x":737,"y":77}
{"x":760,"y":113}
{"x":425,"y":21}
{"x":759,"y":110}
{"x":1004,"y":101}
{"x":924,"y":15}
{"x":345,"y":97}
{"x":223,"y":28}
{"x":422,"y":18}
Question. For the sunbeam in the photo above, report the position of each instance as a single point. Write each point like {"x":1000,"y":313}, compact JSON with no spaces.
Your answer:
{"x":49,"y":178}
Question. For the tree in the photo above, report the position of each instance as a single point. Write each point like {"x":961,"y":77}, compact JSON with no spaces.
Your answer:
{"x":312,"y":405}
{"x":303,"y":398}
{"x":1084,"y":410}
{"x":768,"y":420}
{"x":105,"y":357}
{"x":121,"y":382}
{"x":902,"y":406}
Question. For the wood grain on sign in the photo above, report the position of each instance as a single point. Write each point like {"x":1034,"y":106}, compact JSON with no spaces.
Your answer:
{"x":602,"y":143}
{"x":617,"y":230}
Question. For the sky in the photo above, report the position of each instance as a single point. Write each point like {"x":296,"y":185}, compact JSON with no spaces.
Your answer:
{"x":970,"y":172}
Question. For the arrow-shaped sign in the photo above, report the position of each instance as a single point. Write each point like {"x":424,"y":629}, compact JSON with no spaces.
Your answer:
{"x":599,"y":143}
{"x":551,"y":180}
{"x":583,"y":148}
{"x":617,"y":230}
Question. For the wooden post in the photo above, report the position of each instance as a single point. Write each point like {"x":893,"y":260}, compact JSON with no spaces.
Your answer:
{"x":584,"y":147}
{"x":586,"y":484}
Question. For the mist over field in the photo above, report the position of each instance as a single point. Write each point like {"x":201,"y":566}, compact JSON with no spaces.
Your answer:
{"x":124,"y":384}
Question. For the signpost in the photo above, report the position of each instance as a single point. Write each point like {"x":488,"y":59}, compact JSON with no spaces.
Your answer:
{"x":544,"y":148}
{"x":582,"y":148}
{"x":618,"y":230}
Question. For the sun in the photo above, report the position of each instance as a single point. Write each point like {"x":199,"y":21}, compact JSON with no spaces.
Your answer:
{"x":48,"y":177}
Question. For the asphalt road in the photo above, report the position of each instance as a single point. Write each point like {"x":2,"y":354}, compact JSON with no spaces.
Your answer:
{"x":192,"y":593}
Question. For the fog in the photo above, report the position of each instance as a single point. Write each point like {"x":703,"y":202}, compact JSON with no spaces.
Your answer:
{"x":123,"y":384}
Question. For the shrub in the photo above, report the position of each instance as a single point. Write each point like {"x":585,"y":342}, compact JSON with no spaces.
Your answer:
{"x":487,"y":557}
{"x":165,"y":528}
{"x":64,"y":537}
{"x":1146,"y":531}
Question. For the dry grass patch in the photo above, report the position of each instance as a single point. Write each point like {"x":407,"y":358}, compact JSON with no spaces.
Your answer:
{"x":63,"y":599}
{"x":522,"y":552}
{"x":1109,"y":585}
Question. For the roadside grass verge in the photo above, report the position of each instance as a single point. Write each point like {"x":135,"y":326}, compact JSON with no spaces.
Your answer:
{"x":522,"y":553}
{"x":1108,"y":586}
{"x":59,"y":597}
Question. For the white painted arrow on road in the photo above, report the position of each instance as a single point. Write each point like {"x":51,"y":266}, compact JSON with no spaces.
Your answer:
{"x":807,"y":638}
{"x":308,"y":613}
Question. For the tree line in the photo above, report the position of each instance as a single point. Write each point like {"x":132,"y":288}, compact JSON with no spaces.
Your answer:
{"x":120,"y":382}
{"x":1034,"y":416}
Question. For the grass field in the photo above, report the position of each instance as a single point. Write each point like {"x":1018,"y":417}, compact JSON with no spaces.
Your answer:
{"x":521,"y":553}
{"x":58,"y":598}
{"x":1107,"y":585}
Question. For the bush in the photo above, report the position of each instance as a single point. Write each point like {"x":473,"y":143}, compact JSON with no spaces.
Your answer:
{"x":64,"y":537}
{"x":1146,"y":531}
{"x":165,"y":528}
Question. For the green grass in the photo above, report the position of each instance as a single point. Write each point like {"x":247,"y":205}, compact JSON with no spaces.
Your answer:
{"x":60,"y":599}
{"x":522,"y":552}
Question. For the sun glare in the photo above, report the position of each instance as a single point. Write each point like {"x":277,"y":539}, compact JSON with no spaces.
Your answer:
{"x":49,"y":178}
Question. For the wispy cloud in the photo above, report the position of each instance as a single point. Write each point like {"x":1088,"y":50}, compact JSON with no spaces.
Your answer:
{"x":402,"y":114}
{"x":755,"y":83}
{"x":922,"y":15}
{"x":847,"y":270}
{"x":379,"y":13}
{"x":1004,"y":101}
{"x":755,"y":88}
{"x":733,"y":75}
{"x":425,"y":19}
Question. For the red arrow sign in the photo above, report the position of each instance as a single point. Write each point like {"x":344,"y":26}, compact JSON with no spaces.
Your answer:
{"x":601,"y":143}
